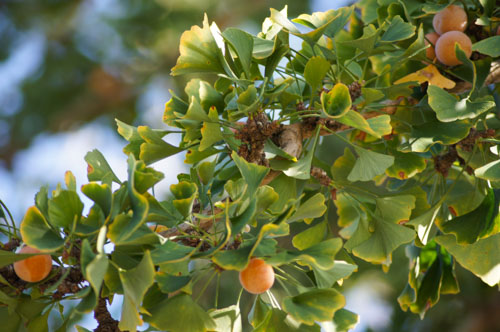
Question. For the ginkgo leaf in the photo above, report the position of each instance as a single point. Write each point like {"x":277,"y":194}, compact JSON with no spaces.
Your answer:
{"x":428,"y":74}
{"x":199,"y":52}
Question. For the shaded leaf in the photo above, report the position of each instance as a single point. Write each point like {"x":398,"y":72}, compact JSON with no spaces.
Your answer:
{"x":98,"y":168}
{"x":425,"y":135}
{"x":406,"y":165}
{"x":315,"y":70}
{"x":252,"y":173}
{"x":135,"y":283}
{"x":356,"y":120}
{"x":100,"y":194}
{"x":65,"y":209}
{"x":369,"y":164}
{"x":169,"y":283}
{"x":242,"y":43}
{"x":345,"y":320}
{"x":121,"y":229}
{"x":310,"y":236}
{"x":9,"y":257}
{"x":314,"y":207}
{"x":480,"y":223}
{"x":317,"y":305}
{"x":154,"y":147}
{"x":320,"y":255}
{"x":179,"y":314}
{"x":171,"y":252}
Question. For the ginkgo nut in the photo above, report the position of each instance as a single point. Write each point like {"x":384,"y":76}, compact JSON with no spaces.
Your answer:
{"x":429,"y":52}
{"x":257,"y":277}
{"x":445,"y":47}
{"x":452,"y":18}
{"x":35,"y":268}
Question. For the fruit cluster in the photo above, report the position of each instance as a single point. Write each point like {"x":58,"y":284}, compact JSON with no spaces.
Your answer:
{"x":449,"y":25}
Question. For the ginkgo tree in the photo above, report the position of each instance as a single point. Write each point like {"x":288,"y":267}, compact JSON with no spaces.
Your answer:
{"x":420,"y":168}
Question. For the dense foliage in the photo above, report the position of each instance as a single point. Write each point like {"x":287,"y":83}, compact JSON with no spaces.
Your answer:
{"x":420,"y":169}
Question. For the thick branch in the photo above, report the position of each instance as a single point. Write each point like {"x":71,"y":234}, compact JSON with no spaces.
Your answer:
{"x":104,"y":319}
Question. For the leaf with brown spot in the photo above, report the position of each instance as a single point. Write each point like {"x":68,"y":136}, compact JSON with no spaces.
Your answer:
{"x":428,"y":74}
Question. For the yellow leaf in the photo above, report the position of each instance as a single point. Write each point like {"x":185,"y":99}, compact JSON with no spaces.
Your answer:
{"x":428,"y":74}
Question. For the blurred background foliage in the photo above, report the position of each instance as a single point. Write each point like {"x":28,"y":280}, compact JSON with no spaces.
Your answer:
{"x":65,"y":64}
{"x":74,"y":61}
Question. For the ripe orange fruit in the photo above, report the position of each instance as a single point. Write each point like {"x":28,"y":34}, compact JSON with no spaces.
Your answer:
{"x":429,"y":52}
{"x":35,"y":268}
{"x":257,"y":277}
{"x":445,"y":47}
{"x":452,"y":18}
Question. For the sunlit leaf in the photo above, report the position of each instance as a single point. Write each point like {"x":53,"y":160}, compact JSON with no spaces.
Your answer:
{"x":481,"y":258}
{"x":423,"y":223}
{"x":398,"y":30}
{"x":489,"y":46}
{"x":198,"y":52}
{"x":37,"y":233}
{"x":227,"y":319}
{"x":336,"y":102}
{"x":489,"y":171}
{"x":448,"y":108}
{"x":210,"y":131}
{"x":428,"y":74}
{"x":169,"y":283}
{"x":98,"y":168}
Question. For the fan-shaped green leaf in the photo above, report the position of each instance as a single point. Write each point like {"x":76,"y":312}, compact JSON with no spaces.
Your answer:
{"x":317,"y":305}
{"x":37,"y":233}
